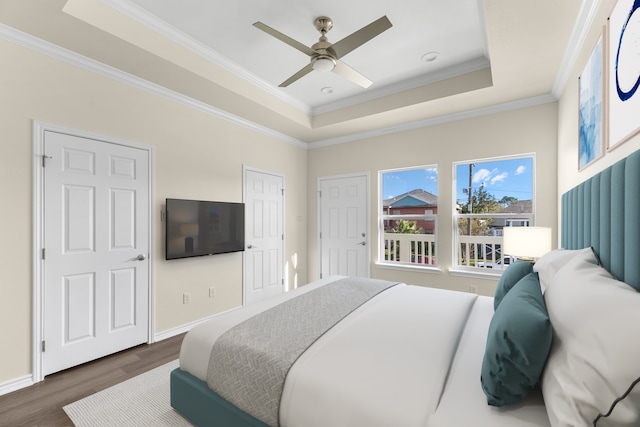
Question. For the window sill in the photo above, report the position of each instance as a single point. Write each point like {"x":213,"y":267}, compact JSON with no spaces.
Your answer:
{"x":476,"y":274}
{"x":406,"y":267}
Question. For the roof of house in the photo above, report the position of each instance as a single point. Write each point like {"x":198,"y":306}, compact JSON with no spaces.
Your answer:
{"x":417,"y":197}
{"x":521,"y":206}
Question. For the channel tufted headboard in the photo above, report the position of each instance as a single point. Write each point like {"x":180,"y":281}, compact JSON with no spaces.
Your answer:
{"x":604,"y":212}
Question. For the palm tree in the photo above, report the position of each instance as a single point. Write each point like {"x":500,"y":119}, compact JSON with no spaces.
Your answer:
{"x":406,"y":227}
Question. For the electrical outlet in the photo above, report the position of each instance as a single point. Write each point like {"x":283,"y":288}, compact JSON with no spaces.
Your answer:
{"x":212,"y":292}
{"x":186,"y":298}
{"x":473,"y":289}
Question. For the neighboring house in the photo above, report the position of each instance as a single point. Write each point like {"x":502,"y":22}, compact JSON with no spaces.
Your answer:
{"x":519,"y":207}
{"x":415,"y":202}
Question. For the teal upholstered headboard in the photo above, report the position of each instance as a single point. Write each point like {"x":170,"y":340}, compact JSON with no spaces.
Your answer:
{"x":604,"y":212}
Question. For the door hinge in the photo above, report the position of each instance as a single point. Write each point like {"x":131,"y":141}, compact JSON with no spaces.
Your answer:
{"x":44,"y":253}
{"x":44,"y":346}
{"x":320,"y":194}
{"x":44,"y":160}
{"x":282,"y":189}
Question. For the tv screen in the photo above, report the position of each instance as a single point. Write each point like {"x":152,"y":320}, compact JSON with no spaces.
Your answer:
{"x":198,"y":228}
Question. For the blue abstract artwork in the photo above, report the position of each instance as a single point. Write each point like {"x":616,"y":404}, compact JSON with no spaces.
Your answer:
{"x":624,"y":71}
{"x":590,"y":108}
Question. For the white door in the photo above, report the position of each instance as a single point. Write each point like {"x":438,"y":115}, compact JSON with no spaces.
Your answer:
{"x":343,"y":218}
{"x":96,"y":237}
{"x":264,"y":235}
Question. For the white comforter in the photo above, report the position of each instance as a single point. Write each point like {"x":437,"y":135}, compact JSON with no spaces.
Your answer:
{"x":411,"y":356}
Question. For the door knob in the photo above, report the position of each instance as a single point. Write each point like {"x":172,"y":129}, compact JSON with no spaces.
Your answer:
{"x":363,"y":243}
{"x":141,"y":257}
{"x":252,"y":247}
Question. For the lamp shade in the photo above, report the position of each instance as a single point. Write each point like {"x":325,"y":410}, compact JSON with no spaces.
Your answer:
{"x":526,"y":242}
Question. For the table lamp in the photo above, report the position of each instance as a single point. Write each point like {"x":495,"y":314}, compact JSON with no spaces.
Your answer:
{"x":528,"y":243}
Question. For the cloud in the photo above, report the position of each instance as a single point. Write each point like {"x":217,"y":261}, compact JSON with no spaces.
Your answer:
{"x":499,"y":178}
{"x":481,"y":175}
{"x":432,"y":174}
{"x":521,"y":170}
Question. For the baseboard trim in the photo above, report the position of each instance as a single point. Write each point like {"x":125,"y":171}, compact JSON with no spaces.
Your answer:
{"x":27,"y":380}
{"x":15,"y":385}
{"x":185,"y":328}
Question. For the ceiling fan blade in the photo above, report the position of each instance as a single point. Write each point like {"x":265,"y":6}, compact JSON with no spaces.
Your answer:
{"x":303,"y":72}
{"x":361,"y":36}
{"x":349,"y":73}
{"x":283,"y":37}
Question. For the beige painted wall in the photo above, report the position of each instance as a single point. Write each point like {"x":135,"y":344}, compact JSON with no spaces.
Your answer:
{"x":196,"y":156}
{"x":568,"y":174}
{"x":35,"y":87}
{"x":529,"y":130}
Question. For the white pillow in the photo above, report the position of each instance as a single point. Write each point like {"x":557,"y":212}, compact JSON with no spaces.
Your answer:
{"x":595,"y":355}
{"x":550,"y":263}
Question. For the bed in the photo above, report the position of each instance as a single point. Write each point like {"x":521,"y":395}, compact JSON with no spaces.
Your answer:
{"x":556,"y":346}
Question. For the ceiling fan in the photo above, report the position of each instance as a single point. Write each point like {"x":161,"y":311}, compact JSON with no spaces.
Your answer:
{"x":326,"y":56}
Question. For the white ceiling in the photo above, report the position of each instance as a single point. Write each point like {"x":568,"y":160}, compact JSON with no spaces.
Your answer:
{"x":392,"y":60}
{"x":493,"y":55}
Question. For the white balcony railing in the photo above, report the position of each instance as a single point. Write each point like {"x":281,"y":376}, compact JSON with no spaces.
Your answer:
{"x":482,"y":252}
{"x":402,"y":248}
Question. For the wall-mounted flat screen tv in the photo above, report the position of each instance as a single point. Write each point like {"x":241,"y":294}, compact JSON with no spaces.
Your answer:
{"x":198,"y":228}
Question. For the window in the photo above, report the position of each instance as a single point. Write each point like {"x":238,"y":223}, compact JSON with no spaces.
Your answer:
{"x":490,"y":194}
{"x":408,"y":216}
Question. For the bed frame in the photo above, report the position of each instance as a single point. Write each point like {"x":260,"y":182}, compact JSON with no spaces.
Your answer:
{"x":602,"y":212}
{"x":195,"y":401}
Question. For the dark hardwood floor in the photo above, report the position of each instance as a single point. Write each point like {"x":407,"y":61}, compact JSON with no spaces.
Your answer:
{"x":41,"y":404}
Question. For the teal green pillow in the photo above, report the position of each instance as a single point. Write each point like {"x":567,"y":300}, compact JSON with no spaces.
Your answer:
{"x":509,"y":278}
{"x":518,"y":344}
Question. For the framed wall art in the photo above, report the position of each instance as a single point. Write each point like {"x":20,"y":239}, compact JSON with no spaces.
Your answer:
{"x":623,"y":72}
{"x":590,"y":106}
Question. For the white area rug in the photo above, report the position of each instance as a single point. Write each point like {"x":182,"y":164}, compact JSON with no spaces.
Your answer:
{"x":139,"y":401}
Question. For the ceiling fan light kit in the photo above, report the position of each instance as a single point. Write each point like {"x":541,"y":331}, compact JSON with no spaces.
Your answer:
{"x":326,"y":56}
{"x":323,"y":63}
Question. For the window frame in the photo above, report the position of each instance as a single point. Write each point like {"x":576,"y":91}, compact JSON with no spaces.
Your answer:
{"x":421,"y":247}
{"x":457,"y":239}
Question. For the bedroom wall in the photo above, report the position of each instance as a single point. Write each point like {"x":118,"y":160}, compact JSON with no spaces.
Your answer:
{"x":197,"y":156}
{"x":568,"y":174}
{"x":527,"y":130}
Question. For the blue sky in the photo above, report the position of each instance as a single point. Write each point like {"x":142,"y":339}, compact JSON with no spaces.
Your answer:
{"x":399,"y":182}
{"x":510,"y":177}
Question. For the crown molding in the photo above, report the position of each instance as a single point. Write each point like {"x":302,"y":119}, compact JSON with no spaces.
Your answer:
{"x":49,"y":49}
{"x":464,"y":115}
{"x":581,"y":28}
{"x":54,"y":51}
{"x":470,"y":66}
{"x":583,"y":24}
